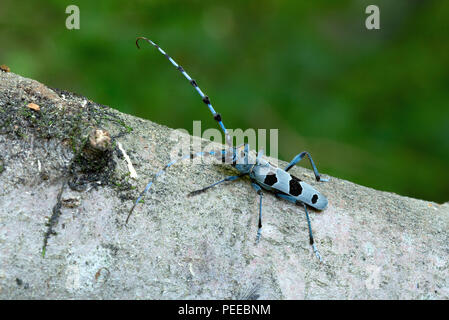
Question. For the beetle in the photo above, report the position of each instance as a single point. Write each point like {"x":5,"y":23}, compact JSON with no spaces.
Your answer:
{"x":263,"y":174}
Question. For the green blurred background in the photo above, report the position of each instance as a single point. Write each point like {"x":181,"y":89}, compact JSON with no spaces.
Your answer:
{"x":371,"y":106}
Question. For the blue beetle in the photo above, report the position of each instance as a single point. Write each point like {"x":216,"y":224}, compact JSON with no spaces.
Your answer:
{"x":263,"y":174}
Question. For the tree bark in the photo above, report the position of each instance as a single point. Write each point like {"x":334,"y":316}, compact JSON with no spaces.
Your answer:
{"x":66,"y":189}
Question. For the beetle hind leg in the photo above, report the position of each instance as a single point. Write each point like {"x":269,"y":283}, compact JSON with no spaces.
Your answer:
{"x":298,"y":158}
{"x":311,"y":240}
{"x":259,"y":192}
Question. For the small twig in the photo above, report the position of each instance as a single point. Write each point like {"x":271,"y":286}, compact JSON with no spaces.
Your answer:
{"x":132,"y":172}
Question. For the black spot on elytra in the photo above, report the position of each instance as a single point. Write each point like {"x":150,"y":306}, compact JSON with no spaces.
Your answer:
{"x":314,"y":198}
{"x":193,"y":83}
{"x":180,"y":68}
{"x":295,"y":186}
{"x":270,"y":179}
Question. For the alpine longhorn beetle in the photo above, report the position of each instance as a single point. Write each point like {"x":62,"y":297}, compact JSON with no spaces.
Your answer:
{"x":263,"y":175}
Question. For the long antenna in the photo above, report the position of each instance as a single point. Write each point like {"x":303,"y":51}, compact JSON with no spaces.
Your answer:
{"x":204,"y":97}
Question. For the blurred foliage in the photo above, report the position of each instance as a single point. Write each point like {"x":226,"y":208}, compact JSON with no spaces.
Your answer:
{"x":370,"y":106}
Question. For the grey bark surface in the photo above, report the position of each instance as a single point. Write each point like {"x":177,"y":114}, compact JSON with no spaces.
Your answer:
{"x":375,"y":245}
